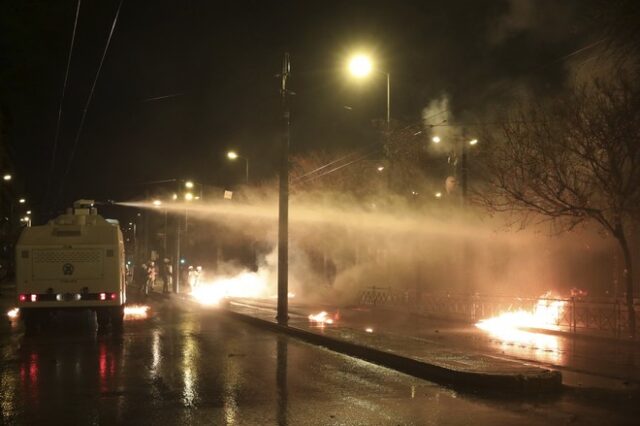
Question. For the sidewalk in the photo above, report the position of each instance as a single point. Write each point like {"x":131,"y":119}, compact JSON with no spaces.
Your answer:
{"x":416,"y":356}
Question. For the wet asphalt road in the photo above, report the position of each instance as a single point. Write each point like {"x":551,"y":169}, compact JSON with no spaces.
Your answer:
{"x":582,"y":361}
{"x":187,"y":365}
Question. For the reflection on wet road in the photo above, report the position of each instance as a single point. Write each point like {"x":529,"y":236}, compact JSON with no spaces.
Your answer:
{"x":186,"y":365}
{"x":608,"y":362}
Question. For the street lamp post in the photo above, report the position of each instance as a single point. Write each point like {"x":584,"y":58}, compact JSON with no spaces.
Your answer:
{"x":463,"y":171}
{"x":180,"y":234}
{"x":388,"y":100}
{"x":361,"y":66}
{"x":232,"y":155}
{"x":283,"y":204}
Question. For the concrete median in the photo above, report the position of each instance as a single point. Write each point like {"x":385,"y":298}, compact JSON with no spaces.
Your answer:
{"x":461,"y":370}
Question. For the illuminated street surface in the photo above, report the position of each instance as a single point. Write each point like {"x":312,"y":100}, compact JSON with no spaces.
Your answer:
{"x":583,"y":362}
{"x":190,"y":365}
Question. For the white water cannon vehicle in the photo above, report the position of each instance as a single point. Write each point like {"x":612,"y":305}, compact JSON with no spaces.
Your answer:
{"x":76,"y":261}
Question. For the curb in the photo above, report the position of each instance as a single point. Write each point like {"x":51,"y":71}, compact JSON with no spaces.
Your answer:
{"x":543,"y":382}
{"x":584,"y":336}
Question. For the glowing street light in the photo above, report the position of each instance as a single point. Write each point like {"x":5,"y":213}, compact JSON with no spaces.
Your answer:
{"x":232,"y":155}
{"x":188,"y":196}
{"x":28,"y":212}
{"x":188,"y":184}
{"x":473,"y":142}
{"x":438,"y":194}
{"x":436,"y":139}
{"x":360,"y":66}
{"x":7,"y":177}
{"x":22,"y":201}
{"x":380,"y":168}
{"x":157,"y":203}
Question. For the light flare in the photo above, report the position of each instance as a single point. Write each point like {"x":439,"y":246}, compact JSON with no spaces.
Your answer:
{"x":136,"y":312}
{"x":13,"y":313}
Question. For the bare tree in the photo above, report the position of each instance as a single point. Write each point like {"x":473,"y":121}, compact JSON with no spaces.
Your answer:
{"x":574,"y":159}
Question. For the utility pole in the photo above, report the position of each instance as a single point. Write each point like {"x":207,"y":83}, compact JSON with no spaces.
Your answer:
{"x":387,"y":134}
{"x":388,"y":100}
{"x":463,"y":167}
{"x":464,"y":172}
{"x":176,"y":271}
{"x":283,"y":212}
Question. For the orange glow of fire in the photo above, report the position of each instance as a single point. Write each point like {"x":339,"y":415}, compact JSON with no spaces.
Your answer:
{"x":136,"y":312}
{"x":508,"y":326}
{"x":321,"y":318}
{"x":243,"y":285}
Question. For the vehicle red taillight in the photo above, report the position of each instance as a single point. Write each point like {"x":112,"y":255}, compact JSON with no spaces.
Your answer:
{"x":113,"y":296}
{"x":103,"y":296}
{"x":22,"y":298}
{"x":34,"y":297}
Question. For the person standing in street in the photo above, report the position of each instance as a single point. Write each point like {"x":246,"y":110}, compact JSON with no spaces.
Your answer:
{"x":167,"y":275}
{"x":151,"y":277}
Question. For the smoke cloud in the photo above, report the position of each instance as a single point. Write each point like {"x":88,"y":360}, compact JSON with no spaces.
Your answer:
{"x":340,"y":247}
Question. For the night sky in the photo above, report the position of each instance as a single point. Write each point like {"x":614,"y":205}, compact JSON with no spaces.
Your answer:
{"x":220,"y":60}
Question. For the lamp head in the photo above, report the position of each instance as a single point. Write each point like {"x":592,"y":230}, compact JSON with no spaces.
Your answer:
{"x":360,"y":66}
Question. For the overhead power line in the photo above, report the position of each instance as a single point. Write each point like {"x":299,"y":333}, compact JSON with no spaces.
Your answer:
{"x":302,"y":180}
{"x":344,"y":158}
{"x":64,"y":90}
{"x":93,"y":87}
{"x":159,"y":98}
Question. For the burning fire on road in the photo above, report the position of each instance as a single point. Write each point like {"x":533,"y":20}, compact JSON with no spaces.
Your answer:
{"x":321,"y":318}
{"x":245,"y":285}
{"x":136,"y":312}
{"x":510,"y":327}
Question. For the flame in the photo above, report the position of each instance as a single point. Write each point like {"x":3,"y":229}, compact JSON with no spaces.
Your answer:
{"x":245,"y":284}
{"x":507,"y":327}
{"x":13,"y":313}
{"x":136,"y":312}
{"x":321,"y":318}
